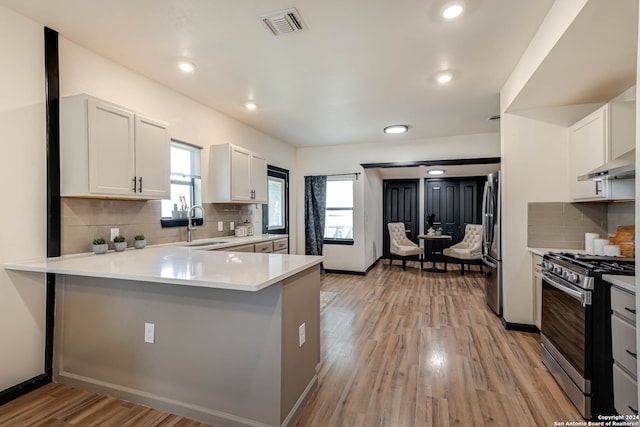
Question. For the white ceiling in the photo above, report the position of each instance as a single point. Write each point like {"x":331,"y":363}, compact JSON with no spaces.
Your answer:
{"x":360,"y":65}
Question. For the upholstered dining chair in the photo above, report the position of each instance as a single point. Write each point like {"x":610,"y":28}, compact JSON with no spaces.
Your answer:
{"x":468,"y":250}
{"x":399,"y":245}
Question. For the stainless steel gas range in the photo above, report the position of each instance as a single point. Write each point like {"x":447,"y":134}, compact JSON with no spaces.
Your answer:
{"x":576,"y":327}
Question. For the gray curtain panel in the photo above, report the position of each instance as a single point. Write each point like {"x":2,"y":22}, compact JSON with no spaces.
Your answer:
{"x":315,"y":206}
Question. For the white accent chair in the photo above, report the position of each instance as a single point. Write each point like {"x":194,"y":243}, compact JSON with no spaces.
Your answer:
{"x":400,"y":246}
{"x":469,"y":249}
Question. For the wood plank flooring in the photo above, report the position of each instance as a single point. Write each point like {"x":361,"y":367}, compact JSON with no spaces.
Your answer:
{"x":399,"y":348}
{"x":411,"y":348}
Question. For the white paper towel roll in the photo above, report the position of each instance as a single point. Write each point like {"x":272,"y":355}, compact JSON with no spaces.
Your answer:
{"x":612,"y":250}
{"x":599,"y":244}
{"x":588,"y":242}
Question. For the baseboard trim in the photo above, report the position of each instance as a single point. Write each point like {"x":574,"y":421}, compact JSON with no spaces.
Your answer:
{"x":357,"y":273}
{"x":522,"y":327}
{"x":24,"y":388}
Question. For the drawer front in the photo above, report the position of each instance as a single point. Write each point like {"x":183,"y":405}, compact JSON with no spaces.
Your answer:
{"x":280,"y":244}
{"x":264,"y":247}
{"x":624,"y":343}
{"x":282,"y":251}
{"x":625,"y":392}
{"x":624,"y":303}
{"x":241,"y":248}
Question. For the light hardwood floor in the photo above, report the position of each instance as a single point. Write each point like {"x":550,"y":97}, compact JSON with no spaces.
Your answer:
{"x":411,"y":348}
{"x":398,"y":348}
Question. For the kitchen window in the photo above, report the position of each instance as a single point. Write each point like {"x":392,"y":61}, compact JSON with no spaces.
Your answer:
{"x":186,"y":185}
{"x":275,"y":213}
{"x":338,"y":227}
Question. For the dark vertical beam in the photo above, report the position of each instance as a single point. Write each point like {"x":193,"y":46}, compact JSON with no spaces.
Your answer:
{"x":53,"y":182}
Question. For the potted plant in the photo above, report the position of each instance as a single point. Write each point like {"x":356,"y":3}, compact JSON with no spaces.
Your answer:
{"x":100,"y":246}
{"x":439,"y":231}
{"x":119,"y":243}
{"x":139,"y":242}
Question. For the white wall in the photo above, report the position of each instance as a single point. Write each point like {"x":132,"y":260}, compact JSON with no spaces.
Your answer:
{"x":368,"y":189}
{"x":23,"y":181}
{"x":82,"y":71}
{"x":534,"y":169}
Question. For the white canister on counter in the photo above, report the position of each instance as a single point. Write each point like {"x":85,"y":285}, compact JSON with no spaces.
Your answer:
{"x":612,"y":250}
{"x":588,"y":242}
{"x":599,"y":244}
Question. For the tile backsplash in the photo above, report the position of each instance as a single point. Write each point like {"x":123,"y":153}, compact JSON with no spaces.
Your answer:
{"x":562,"y":225}
{"x":85,"y":219}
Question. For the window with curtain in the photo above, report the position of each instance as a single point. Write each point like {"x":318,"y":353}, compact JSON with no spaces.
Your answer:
{"x":186,"y":185}
{"x":339,"y":211}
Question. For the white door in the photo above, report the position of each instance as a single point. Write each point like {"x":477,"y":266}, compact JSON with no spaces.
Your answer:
{"x":259,"y":179}
{"x":153,"y":158}
{"x":240,"y":174}
{"x":588,"y":150}
{"x":111,"y":149}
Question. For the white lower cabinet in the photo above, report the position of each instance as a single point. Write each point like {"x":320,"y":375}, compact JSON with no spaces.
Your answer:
{"x":536,"y":279}
{"x":623,"y":333}
{"x":109,"y":151}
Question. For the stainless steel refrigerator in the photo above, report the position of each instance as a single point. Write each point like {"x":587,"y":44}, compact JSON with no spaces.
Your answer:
{"x":491,"y":252}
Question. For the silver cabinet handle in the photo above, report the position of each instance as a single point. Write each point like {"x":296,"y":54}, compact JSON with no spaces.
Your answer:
{"x":140,"y":182}
{"x":134,"y":184}
{"x":630,"y":310}
{"x":634,"y":355}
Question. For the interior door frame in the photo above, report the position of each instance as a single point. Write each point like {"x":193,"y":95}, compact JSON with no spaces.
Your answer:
{"x":385,"y":219}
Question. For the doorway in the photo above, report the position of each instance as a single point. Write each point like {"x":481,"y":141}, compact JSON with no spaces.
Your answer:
{"x":400,"y":201}
{"x":275,"y":214}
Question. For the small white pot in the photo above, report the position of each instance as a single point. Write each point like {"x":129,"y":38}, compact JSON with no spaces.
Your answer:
{"x":119,"y":246}
{"x":100,"y":249}
{"x":139,"y":244}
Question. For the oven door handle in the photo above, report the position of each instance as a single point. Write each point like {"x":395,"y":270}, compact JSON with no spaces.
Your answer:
{"x":583,"y":297}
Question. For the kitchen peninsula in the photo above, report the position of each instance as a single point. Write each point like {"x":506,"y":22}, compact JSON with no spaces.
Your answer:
{"x":227,"y":338}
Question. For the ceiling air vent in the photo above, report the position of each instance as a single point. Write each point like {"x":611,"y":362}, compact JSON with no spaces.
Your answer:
{"x":284,"y":21}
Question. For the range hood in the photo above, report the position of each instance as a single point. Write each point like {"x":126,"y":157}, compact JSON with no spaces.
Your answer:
{"x":622,"y":167}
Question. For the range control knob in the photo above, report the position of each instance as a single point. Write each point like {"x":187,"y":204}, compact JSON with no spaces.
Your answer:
{"x":557,"y":270}
{"x":573,"y":277}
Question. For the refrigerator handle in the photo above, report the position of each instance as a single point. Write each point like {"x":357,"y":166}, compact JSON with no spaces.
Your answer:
{"x":489,"y":263}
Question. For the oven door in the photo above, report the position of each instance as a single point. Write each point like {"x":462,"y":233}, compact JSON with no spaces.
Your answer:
{"x":565,"y":329}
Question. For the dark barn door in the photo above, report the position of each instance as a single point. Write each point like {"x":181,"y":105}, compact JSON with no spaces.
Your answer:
{"x":455,"y":202}
{"x":400,"y":205}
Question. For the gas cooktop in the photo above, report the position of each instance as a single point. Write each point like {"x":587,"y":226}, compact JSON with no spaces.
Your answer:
{"x":597,"y":263}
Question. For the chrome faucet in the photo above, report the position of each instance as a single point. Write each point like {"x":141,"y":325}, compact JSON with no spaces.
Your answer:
{"x":190,"y":225}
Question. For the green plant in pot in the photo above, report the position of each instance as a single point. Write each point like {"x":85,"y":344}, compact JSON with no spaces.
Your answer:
{"x":100,"y":246}
{"x":439,"y":231}
{"x":119,"y":243}
{"x":139,"y":241}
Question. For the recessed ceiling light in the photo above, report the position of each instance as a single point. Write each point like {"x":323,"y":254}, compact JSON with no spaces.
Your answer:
{"x":251,"y":105}
{"x":435,"y":172}
{"x":452,"y":9}
{"x":187,"y":67}
{"x":444,"y":77}
{"x":396,"y":129}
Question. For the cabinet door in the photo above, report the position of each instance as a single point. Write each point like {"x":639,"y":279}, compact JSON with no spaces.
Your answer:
{"x":153,"y":158}
{"x":111,"y":149}
{"x":240,"y":174}
{"x":623,"y":127}
{"x":259,"y":179}
{"x":537,"y":289}
{"x":589,"y":150}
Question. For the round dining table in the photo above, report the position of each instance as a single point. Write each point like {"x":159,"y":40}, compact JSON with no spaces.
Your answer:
{"x":437,"y":240}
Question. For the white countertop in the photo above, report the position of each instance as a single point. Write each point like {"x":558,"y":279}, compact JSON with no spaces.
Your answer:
{"x":542,"y":251}
{"x":228,"y":241}
{"x":625,"y":282}
{"x":179,"y":265}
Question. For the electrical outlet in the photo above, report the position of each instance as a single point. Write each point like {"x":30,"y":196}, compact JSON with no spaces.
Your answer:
{"x":149,"y":333}
{"x":114,"y":232}
{"x":220,"y":226}
{"x":302,"y":335}
{"x":232,"y":225}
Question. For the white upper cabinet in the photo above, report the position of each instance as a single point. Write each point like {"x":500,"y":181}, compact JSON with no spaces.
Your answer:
{"x":588,"y":151}
{"x":603,"y":135}
{"x":109,"y":151}
{"x":236,"y":175}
